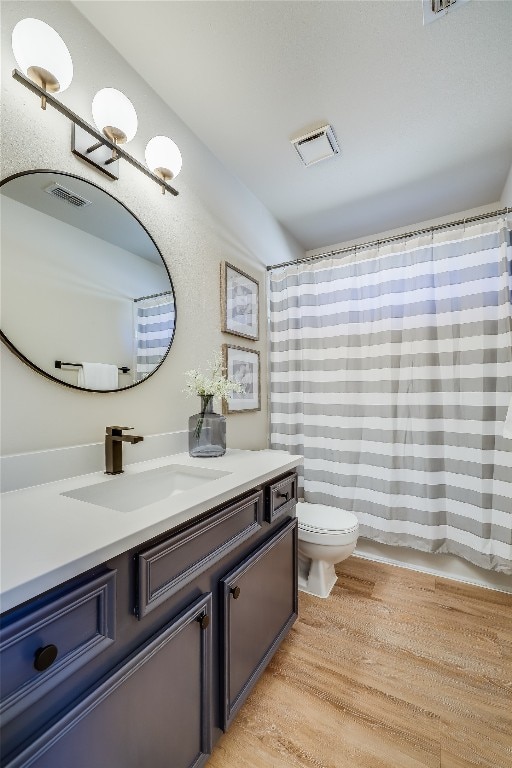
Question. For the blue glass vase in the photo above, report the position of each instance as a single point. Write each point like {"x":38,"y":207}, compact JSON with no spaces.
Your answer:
{"x":207,"y":431}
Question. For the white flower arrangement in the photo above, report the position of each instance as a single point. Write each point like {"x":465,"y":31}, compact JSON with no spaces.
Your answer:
{"x":212,"y":384}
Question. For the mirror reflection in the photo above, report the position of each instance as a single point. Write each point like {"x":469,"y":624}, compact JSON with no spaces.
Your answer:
{"x":86,"y":297}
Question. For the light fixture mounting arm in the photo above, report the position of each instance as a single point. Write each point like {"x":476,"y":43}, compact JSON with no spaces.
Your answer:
{"x":101,"y":139}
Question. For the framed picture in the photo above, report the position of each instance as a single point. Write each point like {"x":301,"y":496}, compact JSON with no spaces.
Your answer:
{"x":242,"y":365}
{"x":239,"y":302}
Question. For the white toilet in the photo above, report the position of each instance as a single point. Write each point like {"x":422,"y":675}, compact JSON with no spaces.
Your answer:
{"x":327,"y":536}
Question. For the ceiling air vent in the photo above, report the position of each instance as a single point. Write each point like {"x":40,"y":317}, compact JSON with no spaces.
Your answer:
{"x":65,"y":194}
{"x":317,"y":145}
{"x":436,"y":9}
{"x":441,"y":5}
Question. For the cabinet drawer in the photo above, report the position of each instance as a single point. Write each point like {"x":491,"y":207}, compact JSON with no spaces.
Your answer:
{"x":281,"y":497}
{"x":53,"y":639}
{"x":165,"y":568}
{"x":152,"y":712}
{"x":259,"y":600}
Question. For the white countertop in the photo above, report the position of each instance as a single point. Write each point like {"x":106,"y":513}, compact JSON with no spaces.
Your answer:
{"x":47,"y":538}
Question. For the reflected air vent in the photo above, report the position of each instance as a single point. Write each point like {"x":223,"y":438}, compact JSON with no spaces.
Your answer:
{"x":65,"y":194}
{"x":317,"y":145}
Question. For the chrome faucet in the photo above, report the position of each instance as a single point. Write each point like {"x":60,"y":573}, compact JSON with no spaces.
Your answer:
{"x":114,"y":440}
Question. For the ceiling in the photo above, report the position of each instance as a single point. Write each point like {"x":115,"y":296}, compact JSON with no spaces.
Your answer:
{"x":423,"y":114}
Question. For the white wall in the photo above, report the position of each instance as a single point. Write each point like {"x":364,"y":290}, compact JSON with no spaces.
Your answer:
{"x":409,"y":228}
{"x":506,"y":195}
{"x":214,"y":218}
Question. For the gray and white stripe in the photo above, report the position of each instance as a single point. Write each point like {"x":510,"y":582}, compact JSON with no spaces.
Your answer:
{"x":155,"y":321}
{"x":392,"y":375}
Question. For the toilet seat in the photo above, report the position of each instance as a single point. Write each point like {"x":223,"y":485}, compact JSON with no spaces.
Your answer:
{"x":323,"y":520}
{"x":328,"y":539}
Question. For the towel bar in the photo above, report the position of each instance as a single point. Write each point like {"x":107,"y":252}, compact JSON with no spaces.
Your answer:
{"x":59,"y":364}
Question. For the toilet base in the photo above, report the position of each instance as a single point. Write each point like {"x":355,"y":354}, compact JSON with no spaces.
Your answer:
{"x":316,"y":577}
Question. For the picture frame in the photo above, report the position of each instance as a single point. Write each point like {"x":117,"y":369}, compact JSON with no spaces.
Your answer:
{"x":239,"y":302}
{"x":242,"y":365}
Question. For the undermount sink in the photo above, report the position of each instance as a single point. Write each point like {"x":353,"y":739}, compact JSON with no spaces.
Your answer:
{"x":126,"y":493}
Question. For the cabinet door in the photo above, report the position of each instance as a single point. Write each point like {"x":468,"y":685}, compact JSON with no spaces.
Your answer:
{"x":259,"y":606}
{"x":43,"y":643}
{"x":155,"y":710}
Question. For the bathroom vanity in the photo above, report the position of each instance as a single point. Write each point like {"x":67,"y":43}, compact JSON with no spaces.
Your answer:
{"x":131,"y":635}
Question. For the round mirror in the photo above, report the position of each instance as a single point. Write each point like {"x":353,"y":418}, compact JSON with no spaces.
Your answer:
{"x":86,"y":296}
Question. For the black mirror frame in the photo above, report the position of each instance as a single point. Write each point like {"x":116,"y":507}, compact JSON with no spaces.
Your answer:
{"x":32,"y":365}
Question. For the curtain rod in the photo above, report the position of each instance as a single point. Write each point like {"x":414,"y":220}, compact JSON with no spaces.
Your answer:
{"x":391,"y":239}
{"x":153,"y":296}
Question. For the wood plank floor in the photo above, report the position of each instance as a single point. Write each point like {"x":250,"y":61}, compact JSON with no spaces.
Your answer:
{"x":396,"y":669}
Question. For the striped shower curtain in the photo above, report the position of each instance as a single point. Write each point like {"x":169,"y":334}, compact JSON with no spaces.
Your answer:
{"x":391,"y":373}
{"x":154,"y":328}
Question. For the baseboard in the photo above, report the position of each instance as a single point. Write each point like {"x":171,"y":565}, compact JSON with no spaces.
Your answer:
{"x":447,"y":566}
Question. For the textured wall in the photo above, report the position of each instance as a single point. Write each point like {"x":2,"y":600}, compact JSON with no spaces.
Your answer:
{"x":214,"y":218}
{"x":506,"y":195}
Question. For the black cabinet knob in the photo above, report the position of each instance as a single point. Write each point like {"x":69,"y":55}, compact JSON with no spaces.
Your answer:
{"x":282,"y":496}
{"x":235,"y":591}
{"x":44,"y":657}
{"x":204,"y":620}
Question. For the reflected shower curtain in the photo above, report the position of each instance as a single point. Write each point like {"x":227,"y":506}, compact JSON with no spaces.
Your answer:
{"x":155,"y":319}
{"x":391,"y":373}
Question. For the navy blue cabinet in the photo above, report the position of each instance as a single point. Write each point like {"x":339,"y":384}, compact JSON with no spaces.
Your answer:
{"x":281,"y":497}
{"x":41,"y":647}
{"x":167,"y":567}
{"x":259,"y":601}
{"x":144,"y":660}
{"x":153,"y":711}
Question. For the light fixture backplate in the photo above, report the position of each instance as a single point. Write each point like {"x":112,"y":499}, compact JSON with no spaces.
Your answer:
{"x":81,"y":141}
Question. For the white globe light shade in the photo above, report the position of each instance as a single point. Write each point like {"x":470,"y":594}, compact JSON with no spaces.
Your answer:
{"x":42,"y":54}
{"x":114,"y":115}
{"x":163,"y":157}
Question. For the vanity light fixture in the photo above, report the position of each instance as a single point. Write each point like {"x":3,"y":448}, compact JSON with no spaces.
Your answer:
{"x":47,"y":67}
{"x":115,"y":116}
{"x":42,"y":55}
{"x":163,"y":158}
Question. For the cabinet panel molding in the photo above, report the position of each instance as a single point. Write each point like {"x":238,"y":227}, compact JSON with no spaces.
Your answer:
{"x":79,"y":624}
{"x":164,"y":569}
{"x":280,"y":497}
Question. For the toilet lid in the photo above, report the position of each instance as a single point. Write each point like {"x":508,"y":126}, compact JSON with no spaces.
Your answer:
{"x":320,"y":518}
